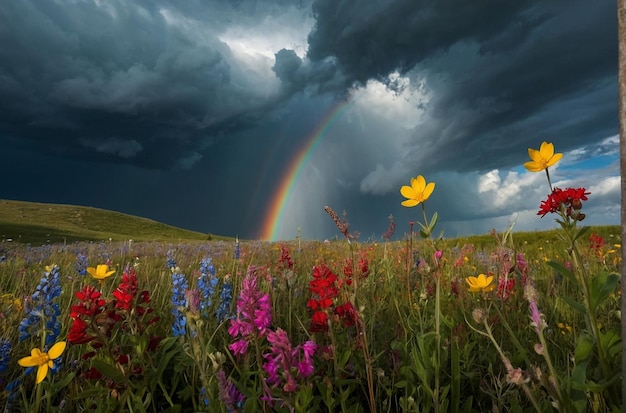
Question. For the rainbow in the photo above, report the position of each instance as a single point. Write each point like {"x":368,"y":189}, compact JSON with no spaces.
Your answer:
{"x":279,"y":200}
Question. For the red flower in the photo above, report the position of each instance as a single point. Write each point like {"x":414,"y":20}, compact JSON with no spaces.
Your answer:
{"x":285,"y":261}
{"x":505,"y":286}
{"x":347,"y":313}
{"x":364,"y":264}
{"x":126,"y":290}
{"x":319,"y":321}
{"x":570,"y":199}
{"x":78,"y":332}
{"x":90,"y":305}
{"x":323,"y":285}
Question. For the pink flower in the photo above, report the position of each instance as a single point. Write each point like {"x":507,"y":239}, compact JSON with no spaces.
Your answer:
{"x":239,"y":347}
{"x":254,"y":313}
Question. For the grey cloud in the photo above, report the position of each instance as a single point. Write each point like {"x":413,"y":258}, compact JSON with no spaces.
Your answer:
{"x":502,"y":76}
{"x":152,"y":72}
{"x":114,"y":146}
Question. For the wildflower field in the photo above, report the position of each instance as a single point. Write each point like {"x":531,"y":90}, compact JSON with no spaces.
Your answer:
{"x":515,"y":324}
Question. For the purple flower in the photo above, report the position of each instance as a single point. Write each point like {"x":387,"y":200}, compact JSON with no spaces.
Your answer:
{"x":229,"y":395}
{"x":284,"y":361}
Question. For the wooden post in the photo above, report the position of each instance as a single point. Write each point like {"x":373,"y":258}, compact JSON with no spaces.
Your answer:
{"x":621,"y":33}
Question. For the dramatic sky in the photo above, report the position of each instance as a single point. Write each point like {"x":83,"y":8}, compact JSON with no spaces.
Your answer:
{"x":243,"y":117}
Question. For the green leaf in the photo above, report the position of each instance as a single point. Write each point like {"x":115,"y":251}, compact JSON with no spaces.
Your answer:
{"x":433,"y":222}
{"x":455,"y":367}
{"x":344,"y":358}
{"x":584,"y":347}
{"x":611,"y":343}
{"x":401,"y":384}
{"x":580,"y":232}
{"x":574,"y":304}
{"x":108,"y":371}
{"x":561,"y":269}
{"x":602,"y":285}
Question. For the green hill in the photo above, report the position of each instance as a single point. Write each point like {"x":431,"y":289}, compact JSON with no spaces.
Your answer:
{"x":41,"y":223}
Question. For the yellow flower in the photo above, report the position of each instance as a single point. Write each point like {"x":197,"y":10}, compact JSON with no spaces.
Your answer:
{"x":482,"y":283}
{"x":101,"y":272}
{"x":418,"y":191}
{"x":542,"y":158}
{"x":42,"y":360}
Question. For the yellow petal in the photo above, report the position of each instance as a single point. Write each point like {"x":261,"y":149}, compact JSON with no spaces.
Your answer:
{"x":56,"y":350}
{"x":42,"y":372}
{"x":429,"y":190}
{"x":534,"y":154}
{"x":407,"y":192}
{"x":533,"y":166}
{"x":409,"y":203}
{"x":418,"y":183}
{"x":28,"y":361}
{"x":555,"y":158}
{"x":546,"y":150}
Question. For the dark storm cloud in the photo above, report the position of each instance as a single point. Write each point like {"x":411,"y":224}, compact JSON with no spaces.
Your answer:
{"x":146,"y":82}
{"x":501,"y":75}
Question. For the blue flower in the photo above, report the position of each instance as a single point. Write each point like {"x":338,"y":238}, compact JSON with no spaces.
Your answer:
{"x":81,"y":264}
{"x":206,"y":284}
{"x":237,"y":251}
{"x":42,"y":310}
{"x":5,"y":355}
{"x":226,"y":297}
{"x":179,"y":302}
{"x":171,"y":261}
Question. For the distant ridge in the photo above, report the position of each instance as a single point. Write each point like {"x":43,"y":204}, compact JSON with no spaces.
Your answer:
{"x":42,"y":223}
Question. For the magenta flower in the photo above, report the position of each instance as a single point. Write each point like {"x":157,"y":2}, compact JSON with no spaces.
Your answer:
{"x":284,"y":363}
{"x":254,"y":314}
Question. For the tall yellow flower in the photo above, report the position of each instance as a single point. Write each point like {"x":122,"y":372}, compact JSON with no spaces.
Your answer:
{"x":482,"y":283}
{"x":418,"y":192}
{"x":101,"y":272}
{"x":42,"y":360}
{"x":542,"y":158}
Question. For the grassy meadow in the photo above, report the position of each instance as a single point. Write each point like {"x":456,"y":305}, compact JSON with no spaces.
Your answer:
{"x":399,"y":329}
{"x":129,"y":317}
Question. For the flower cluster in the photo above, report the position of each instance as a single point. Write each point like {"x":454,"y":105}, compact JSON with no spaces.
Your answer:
{"x":285,"y":262}
{"x":207,"y":281}
{"x":568,"y":201}
{"x":324,"y":290}
{"x":229,"y":395}
{"x":363,"y":266}
{"x":391,"y":229}
{"x":505,"y":287}
{"x":179,"y":302}
{"x":90,"y":314}
{"x":81,"y":265}
{"x":226,"y":296}
{"x":254,"y":314}
{"x":342,"y":224}
{"x":5,"y":356}
{"x":43,"y":311}
{"x":284,"y":364}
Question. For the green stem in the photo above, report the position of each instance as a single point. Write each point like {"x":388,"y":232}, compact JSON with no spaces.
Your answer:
{"x":438,"y":338}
